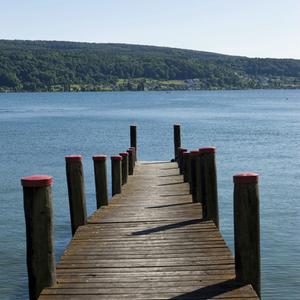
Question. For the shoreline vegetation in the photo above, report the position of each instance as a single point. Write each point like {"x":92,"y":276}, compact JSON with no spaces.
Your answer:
{"x":52,"y":66}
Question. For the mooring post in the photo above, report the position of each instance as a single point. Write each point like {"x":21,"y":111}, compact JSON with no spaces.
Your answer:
{"x":194,"y":175}
{"x":247,"y":229}
{"x":116,"y":174}
{"x":39,"y":233}
{"x":180,"y":159}
{"x":130,"y":160}
{"x":133,"y":156}
{"x":124,"y":166}
{"x":75,"y":181}
{"x":177,"y":140}
{"x":186,"y":166}
{"x":100,"y":173}
{"x":208,"y":184}
{"x":133,"y":139}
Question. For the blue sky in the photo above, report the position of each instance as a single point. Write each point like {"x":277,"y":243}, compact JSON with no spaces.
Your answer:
{"x":253,"y":28}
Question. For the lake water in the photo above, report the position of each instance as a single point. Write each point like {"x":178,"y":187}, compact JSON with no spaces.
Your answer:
{"x":255,"y":130}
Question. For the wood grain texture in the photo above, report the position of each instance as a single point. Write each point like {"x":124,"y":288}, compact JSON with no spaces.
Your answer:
{"x":149,"y":243}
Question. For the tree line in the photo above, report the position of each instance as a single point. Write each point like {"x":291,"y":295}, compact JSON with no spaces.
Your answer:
{"x":41,"y":65}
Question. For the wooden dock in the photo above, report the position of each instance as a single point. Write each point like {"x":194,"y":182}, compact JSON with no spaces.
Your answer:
{"x":149,"y":243}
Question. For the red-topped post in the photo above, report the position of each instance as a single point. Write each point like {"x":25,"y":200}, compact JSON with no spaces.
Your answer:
{"x":75,"y":181}
{"x":100,"y":173}
{"x":208,"y":184}
{"x":39,"y":233}
{"x":194,"y":178}
{"x":116,"y":174}
{"x":124,"y":166}
{"x":247,"y":229}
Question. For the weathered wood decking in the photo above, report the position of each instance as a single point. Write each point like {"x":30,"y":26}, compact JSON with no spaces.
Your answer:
{"x":149,"y":243}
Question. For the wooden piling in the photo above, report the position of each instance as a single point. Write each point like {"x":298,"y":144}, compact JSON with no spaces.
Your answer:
{"x":133,"y":139}
{"x":39,"y":233}
{"x":208,"y":184}
{"x":130,"y":160}
{"x":180,"y":159}
{"x":186,"y":166}
{"x":194,"y":175}
{"x":133,"y":156}
{"x":124,"y":166}
{"x":100,"y":173}
{"x":75,"y":181}
{"x":116,"y":174}
{"x":177,"y":140}
{"x":247,"y":229}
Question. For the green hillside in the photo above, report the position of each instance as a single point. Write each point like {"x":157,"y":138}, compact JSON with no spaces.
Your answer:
{"x":57,"y":66}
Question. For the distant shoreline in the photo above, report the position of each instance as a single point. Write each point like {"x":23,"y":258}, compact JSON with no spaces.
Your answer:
{"x":52,"y":66}
{"x":136,"y":91}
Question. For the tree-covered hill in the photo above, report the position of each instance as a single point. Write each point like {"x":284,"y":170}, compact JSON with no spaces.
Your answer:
{"x":53,"y":65}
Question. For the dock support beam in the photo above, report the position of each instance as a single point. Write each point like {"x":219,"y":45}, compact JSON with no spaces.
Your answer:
{"x":100,"y":173}
{"x":39,"y":233}
{"x":208,"y":184}
{"x":177,"y":140}
{"x":116,"y":174}
{"x":247,"y":229}
{"x":133,"y":139}
{"x":76,"y":192}
{"x":124,"y":167}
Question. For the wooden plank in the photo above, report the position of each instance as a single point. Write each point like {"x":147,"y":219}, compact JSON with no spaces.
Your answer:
{"x":149,"y":243}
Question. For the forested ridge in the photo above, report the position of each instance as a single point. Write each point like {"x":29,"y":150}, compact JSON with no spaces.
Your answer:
{"x":56,"y":66}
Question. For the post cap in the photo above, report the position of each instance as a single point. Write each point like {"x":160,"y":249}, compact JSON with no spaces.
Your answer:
{"x":207,"y":150}
{"x":36,"y":181}
{"x":73,"y":157}
{"x":124,"y":154}
{"x":131,"y":148}
{"x":186,"y":153}
{"x":246,"y":178}
{"x":116,"y":157}
{"x":194,"y":152}
{"x":99,"y":157}
{"x":182,"y":150}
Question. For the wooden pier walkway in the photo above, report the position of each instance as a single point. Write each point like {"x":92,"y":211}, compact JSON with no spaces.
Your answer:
{"x":149,"y":243}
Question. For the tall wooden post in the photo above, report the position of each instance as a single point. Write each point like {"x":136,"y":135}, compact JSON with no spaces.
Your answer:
{"x":100,"y":173}
{"x":186,"y":166}
{"x":180,"y":159}
{"x":194,"y":178}
{"x":76,"y":192}
{"x":208,"y":184}
{"x":116,"y":174}
{"x":247,"y":229}
{"x":133,"y":156}
{"x":130,"y":160}
{"x":124,"y":166}
{"x":177,"y":140}
{"x":133,"y":139}
{"x":39,"y":233}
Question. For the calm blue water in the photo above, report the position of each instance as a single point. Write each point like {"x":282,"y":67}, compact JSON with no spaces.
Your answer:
{"x":253,"y":131}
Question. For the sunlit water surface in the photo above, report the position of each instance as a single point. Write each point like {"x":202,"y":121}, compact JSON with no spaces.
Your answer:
{"x":252,"y":130}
